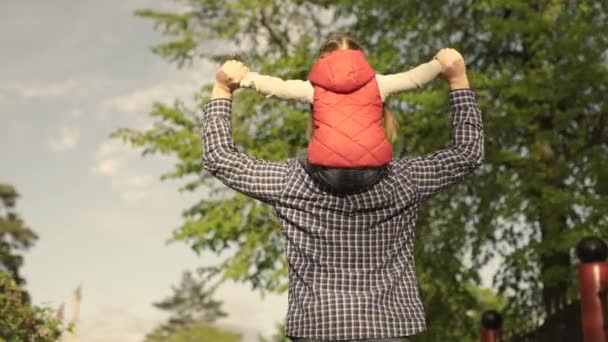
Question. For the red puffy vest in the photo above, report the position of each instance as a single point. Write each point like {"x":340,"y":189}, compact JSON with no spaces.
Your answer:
{"x":347,"y":113}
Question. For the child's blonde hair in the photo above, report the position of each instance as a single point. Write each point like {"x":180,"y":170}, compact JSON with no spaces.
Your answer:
{"x":341,"y":41}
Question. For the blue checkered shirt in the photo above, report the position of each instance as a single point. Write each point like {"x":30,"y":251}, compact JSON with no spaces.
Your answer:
{"x":351,"y":257}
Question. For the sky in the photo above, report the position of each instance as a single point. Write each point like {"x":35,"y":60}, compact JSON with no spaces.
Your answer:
{"x":71,"y":72}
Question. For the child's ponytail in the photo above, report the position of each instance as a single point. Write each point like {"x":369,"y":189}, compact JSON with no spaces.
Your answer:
{"x":391,"y":125}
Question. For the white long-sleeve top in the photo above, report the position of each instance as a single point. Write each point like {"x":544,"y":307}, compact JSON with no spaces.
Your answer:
{"x":303,"y":91}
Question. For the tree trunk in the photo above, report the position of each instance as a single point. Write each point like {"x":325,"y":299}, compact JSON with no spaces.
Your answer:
{"x":553,"y":223}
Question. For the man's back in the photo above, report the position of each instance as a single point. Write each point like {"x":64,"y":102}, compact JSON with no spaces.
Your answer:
{"x":350,"y":258}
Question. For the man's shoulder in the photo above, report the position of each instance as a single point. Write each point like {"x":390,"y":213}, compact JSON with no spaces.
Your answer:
{"x":220,"y":106}
{"x":398,"y":165}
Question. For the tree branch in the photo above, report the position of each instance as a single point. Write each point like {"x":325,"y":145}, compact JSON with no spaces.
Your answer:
{"x":274,"y":37}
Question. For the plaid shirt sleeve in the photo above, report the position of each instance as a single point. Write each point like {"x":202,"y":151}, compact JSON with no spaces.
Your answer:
{"x":251,"y":176}
{"x":434,"y":172}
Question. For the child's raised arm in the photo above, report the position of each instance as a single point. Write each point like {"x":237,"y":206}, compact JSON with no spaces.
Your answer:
{"x":284,"y":89}
{"x":414,"y":78}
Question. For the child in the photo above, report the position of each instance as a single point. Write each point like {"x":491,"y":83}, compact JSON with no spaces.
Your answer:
{"x":349,"y":148}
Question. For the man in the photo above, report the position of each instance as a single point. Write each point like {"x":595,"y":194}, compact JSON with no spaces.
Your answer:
{"x":351,"y":267}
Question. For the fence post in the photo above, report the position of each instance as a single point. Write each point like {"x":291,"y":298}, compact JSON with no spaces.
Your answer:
{"x":491,"y":324}
{"x":593,"y":280}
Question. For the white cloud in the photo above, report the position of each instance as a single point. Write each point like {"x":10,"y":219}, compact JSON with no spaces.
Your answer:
{"x":131,"y":196}
{"x":68,"y":139}
{"x":169,"y":6}
{"x":184,"y":85}
{"x":140,"y":100}
{"x":130,"y":322}
{"x":136,"y":181}
{"x":119,"y":162}
{"x":133,"y":188}
{"x":241,"y":303}
{"x":111,"y":156}
{"x":74,"y":87}
{"x":108,"y":166}
{"x":76,"y":112}
{"x":48,"y":90}
{"x":112,"y":148}
{"x":118,"y":323}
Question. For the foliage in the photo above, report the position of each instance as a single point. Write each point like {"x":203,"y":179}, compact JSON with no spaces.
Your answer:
{"x":22,"y":322}
{"x":15,"y":236}
{"x":192,"y":309}
{"x":19,"y":319}
{"x":278,"y":336}
{"x":200,"y":331}
{"x":539,"y":69}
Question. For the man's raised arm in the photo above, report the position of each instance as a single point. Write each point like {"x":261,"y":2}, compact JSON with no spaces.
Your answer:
{"x":251,"y":176}
{"x":434,"y":172}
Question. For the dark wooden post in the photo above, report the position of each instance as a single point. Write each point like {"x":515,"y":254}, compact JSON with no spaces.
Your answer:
{"x":491,"y":325}
{"x":593,"y":280}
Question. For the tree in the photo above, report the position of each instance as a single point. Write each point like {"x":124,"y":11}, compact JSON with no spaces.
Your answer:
{"x":543,"y":185}
{"x":278,"y":336}
{"x":22,"y":322}
{"x":19,"y":319}
{"x":15,"y":236}
{"x":539,"y":69}
{"x":200,"y":331}
{"x":192,"y":308}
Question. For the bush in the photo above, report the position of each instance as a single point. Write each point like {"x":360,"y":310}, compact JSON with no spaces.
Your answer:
{"x":22,"y":322}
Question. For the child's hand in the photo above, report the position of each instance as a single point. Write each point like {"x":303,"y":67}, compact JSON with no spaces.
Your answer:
{"x":231,"y":74}
{"x":453,"y":68}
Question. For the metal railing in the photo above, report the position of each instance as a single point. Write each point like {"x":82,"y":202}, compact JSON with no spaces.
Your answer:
{"x":583,"y":320}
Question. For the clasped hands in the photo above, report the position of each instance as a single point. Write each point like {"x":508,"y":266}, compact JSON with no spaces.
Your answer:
{"x":453,"y":68}
{"x":228,"y":79}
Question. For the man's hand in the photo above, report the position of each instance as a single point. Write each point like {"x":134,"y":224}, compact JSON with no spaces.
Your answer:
{"x":228,"y":79}
{"x":453,"y":68}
